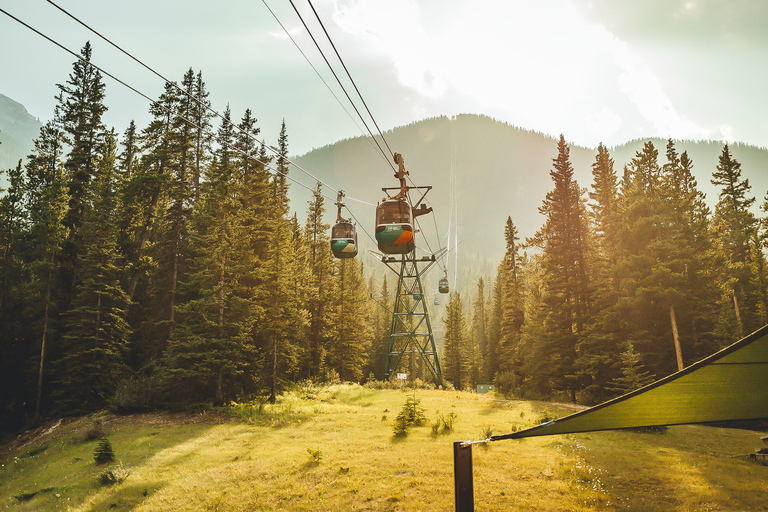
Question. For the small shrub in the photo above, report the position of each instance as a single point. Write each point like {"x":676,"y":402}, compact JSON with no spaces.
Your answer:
{"x":411,"y":415}
{"x":401,"y":426}
{"x":487,"y":432}
{"x":114,"y":475}
{"x":315,"y":456}
{"x":136,"y":394}
{"x":332,"y":377}
{"x":104,"y":452}
{"x":448,"y":422}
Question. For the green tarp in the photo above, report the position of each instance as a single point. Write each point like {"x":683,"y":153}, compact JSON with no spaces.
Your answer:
{"x":729,"y":385}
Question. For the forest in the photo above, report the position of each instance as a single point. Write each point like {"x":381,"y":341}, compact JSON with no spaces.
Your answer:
{"x":162,"y":268}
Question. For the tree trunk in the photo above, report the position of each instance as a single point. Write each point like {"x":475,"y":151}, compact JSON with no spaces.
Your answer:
{"x":273,"y":384}
{"x":675,"y":335}
{"x":42,"y":353}
{"x":738,"y":312}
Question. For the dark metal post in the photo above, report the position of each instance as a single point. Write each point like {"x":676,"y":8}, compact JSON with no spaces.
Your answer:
{"x":462,"y":477}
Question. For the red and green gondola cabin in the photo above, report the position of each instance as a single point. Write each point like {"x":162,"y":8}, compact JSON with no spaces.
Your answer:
{"x":394,"y":227}
{"x":442,"y":285}
{"x":344,"y":240}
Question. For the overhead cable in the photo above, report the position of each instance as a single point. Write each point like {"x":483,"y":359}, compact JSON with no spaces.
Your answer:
{"x":207,"y":107}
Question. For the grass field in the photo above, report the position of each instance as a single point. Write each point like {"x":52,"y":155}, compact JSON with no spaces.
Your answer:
{"x":333,"y":449}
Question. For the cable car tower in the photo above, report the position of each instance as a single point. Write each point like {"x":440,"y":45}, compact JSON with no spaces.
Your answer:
{"x":410,"y":334}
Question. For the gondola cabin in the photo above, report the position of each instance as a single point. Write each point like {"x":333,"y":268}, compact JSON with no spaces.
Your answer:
{"x":442,"y":285}
{"x":437,"y":301}
{"x":417,"y":291}
{"x":394,"y":226}
{"x":344,"y":240}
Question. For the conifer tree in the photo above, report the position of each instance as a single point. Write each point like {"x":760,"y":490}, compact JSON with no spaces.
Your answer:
{"x":319,"y":300}
{"x":97,"y":333}
{"x":212,"y":354}
{"x":480,"y":332}
{"x":382,"y":323}
{"x":454,"y":346}
{"x":46,"y":203}
{"x":733,"y":226}
{"x":79,"y":109}
{"x":508,"y":349}
{"x":563,"y":240}
{"x":598,"y":348}
{"x":351,"y":337}
{"x":14,"y":275}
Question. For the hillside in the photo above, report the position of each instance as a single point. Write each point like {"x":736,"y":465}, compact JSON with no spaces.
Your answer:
{"x":501,"y":170}
{"x":17,"y":131}
{"x":333,"y":448}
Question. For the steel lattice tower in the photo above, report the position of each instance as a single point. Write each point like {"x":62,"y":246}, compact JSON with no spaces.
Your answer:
{"x":411,"y":331}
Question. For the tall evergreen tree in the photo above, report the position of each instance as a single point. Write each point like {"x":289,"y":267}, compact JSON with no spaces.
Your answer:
{"x":80,"y":107}
{"x":454,"y":347}
{"x":319,"y":299}
{"x":733,"y":226}
{"x":352,"y":333}
{"x":46,"y":202}
{"x":480,"y":332}
{"x":508,"y":349}
{"x":97,"y":333}
{"x":563,"y":240}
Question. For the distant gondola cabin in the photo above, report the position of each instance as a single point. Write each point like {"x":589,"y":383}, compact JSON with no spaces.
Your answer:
{"x":344,"y":240}
{"x":394,"y":227}
{"x":442,"y":285}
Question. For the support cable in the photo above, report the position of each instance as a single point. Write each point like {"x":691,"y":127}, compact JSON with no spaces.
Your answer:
{"x":207,"y":107}
{"x":155,"y":103}
{"x":350,"y":77}
{"x":287,"y":33}
{"x":339,"y":81}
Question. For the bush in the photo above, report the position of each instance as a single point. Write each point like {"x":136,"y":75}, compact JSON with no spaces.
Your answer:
{"x":411,"y":415}
{"x":95,"y":430}
{"x":315,"y":456}
{"x":114,"y":475}
{"x":136,"y":394}
{"x":332,"y":377}
{"x":104,"y":452}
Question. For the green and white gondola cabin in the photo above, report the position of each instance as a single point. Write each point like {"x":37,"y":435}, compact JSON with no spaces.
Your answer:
{"x":344,"y":240}
{"x":394,"y":226}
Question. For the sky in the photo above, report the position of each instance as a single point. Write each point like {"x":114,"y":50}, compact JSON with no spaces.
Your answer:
{"x":594,"y":70}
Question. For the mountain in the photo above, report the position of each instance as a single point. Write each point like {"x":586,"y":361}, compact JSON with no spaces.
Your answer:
{"x":17,"y":131}
{"x":500,"y":170}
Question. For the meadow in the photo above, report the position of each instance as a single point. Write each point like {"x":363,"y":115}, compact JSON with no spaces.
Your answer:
{"x":334,"y":448}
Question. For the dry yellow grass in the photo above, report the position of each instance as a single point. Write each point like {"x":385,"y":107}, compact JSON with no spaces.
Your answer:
{"x":263,"y":462}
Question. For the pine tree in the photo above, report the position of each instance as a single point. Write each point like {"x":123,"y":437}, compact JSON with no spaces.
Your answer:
{"x":598,"y":348}
{"x":46,"y":203}
{"x":382,"y":318}
{"x":454,"y":346}
{"x":347,"y":349}
{"x":733,"y":226}
{"x":508,"y":349}
{"x":80,"y":107}
{"x":15,"y":336}
{"x":97,"y":333}
{"x":479,"y":333}
{"x":319,"y":300}
{"x":563,"y":240}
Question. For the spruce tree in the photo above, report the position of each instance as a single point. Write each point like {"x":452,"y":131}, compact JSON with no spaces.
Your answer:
{"x":733,"y":226}
{"x":350,"y":319}
{"x":97,"y":334}
{"x":454,"y":346}
{"x":79,"y":109}
{"x":563,"y":240}
{"x":508,"y":349}
{"x":480,"y":333}
{"x":46,"y":201}
{"x":319,"y":300}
